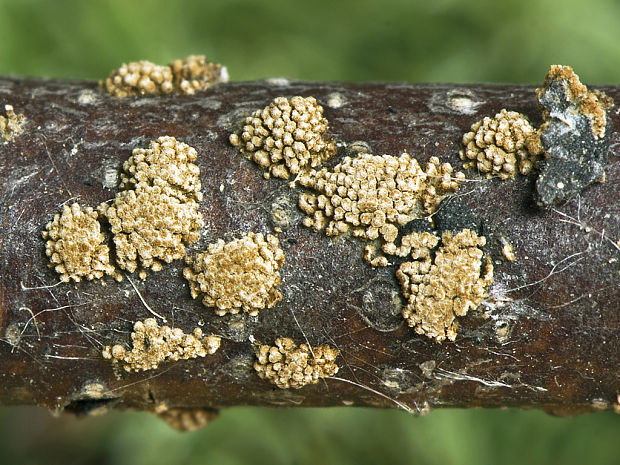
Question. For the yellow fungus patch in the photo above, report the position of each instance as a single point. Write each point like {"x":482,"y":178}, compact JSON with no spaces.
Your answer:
{"x":440,"y":288}
{"x":187,"y":76}
{"x":11,"y":124}
{"x":188,"y":419}
{"x":498,"y":146}
{"x":286,"y":137}
{"x":154,"y":220}
{"x":288,"y":366}
{"x":153,"y":345}
{"x":373,"y":195}
{"x":75,"y":245}
{"x":195,"y":74}
{"x":238,"y":275}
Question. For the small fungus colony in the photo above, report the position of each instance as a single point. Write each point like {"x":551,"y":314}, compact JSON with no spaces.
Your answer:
{"x":238,"y":275}
{"x":11,"y":124}
{"x":288,"y":366}
{"x":75,"y":245}
{"x":188,"y":419}
{"x":286,"y":137}
{"x":498,"y":146}
{"x":153,"y":220}
{"x":375,"y":194}
{"x":573,"y":136}
{"x":188,"y":76}
{"x":153,"y":345}
{"x":441,"y":287}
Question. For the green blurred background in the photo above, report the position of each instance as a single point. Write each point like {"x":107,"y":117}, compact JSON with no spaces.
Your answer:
{"x":397,"y":40}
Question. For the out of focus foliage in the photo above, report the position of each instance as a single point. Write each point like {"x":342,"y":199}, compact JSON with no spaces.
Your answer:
{"x":352,"y":40}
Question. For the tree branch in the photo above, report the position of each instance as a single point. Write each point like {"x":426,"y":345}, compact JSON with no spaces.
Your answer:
{"x":547,"y":335}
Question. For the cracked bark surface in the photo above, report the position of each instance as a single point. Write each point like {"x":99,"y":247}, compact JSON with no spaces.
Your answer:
{"x":547,"y":336}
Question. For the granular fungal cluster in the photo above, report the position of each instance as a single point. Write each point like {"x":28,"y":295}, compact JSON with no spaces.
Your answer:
{"x":287,"y":137}
{"x":498,"y":146}
{"x":373,"y":195}
{"x":11,"y":124}
{"x":238,"y":275}
{"x":188,"y":76}
{"x":165,"y":160}
{"x":153,"y":345}
{"x":288,"y":366}
{"x":188,"y":419}
{"x":441,"y":287}
{"x":75,"y":245}
{"x":154,"y":220}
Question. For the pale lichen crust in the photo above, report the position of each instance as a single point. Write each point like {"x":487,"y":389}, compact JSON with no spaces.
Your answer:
{"x":188,"y":76}
{"x":287,"y":137}
{"x":11,"y":124}
{"x":373,"y":195}
{"x":288,"y":366}
{"x":75,"y":245}
{"x":153,"y":345}
{"x":573,"y":137}
{"x":154,"y":220}
{"x":238,"y":275}
{"x":498,"y":146}
{"x":443,"y":283}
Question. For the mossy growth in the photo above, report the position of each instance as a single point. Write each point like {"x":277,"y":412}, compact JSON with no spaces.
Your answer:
{"x":153,"y":345}
{"x":288,"y":366}
{"x":240,"y":275}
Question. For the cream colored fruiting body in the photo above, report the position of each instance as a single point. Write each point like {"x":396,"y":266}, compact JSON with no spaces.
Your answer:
{"x":286,"y":137}
{"x":166,"y":160}
{"x":498,"y":146}
{"x":153,"y":345}
{"x":195,"y":74}
{"x":238,"y":275}
{"x":440,"y":288}
{"x":138,"y":79}
{"x":154,"y":220}
{"x":373,"y":195}
{"x":11,"y":125}
{"x":75,"y":245}
{"x":188,"y":419}
{"x":188,"y":76}
{"x":288,"y":366}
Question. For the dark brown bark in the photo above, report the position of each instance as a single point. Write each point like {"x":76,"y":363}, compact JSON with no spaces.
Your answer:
{"x":547,"y":337}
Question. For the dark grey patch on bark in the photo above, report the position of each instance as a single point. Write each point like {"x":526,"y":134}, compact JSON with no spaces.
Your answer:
{"x":575,"y":156}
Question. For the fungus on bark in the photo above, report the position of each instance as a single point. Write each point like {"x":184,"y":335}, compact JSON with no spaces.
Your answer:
{"x":238,"y":275}
{"x":286,"y":137}
{"x":288,"y":366}
{"x":153,"y":345}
